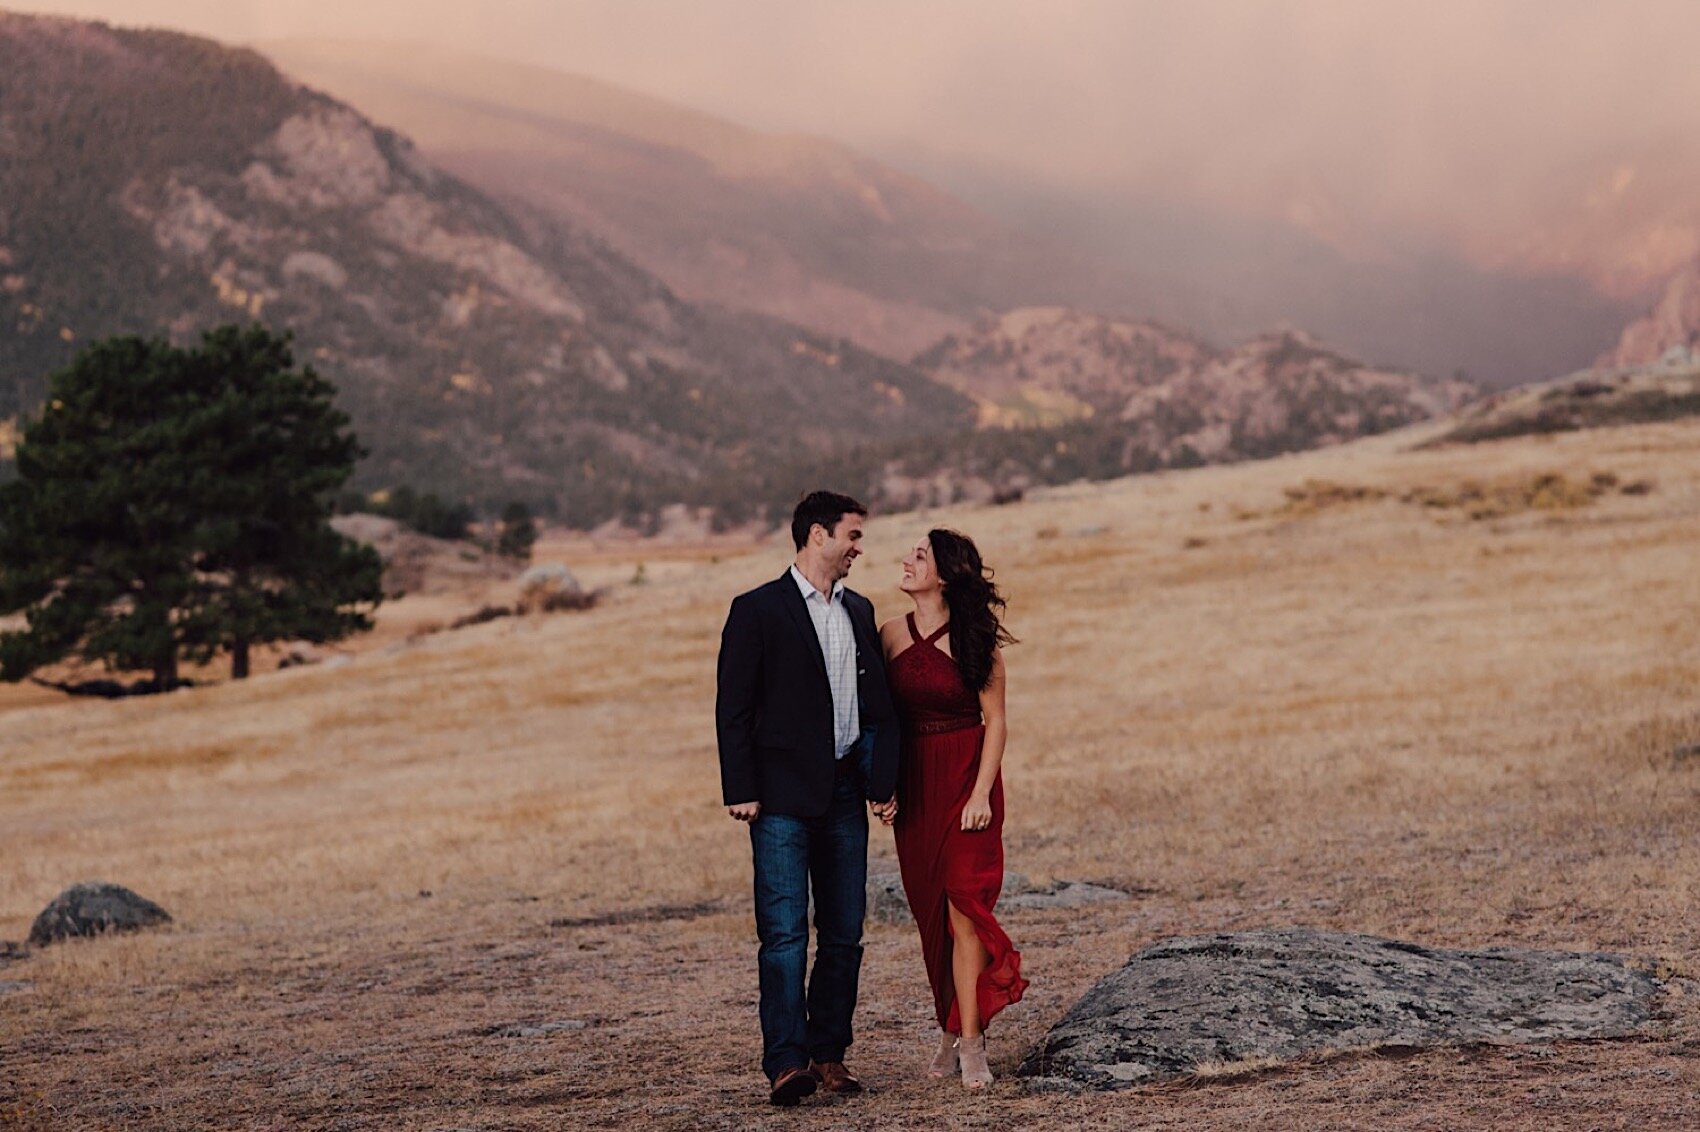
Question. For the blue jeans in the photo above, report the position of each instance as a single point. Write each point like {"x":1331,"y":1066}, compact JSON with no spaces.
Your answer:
{"x":790,"y":852}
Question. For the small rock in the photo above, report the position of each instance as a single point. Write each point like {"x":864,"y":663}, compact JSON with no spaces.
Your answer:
{"x":888,"y":903}
{"x":296,"y":654}
{"x":1688,"y":752}
{"x":1062,"y":894}
{"x":886,"y":900}
{"x":91,"y":909}
{"x":544,"y":583}
{"x":7,"y":987}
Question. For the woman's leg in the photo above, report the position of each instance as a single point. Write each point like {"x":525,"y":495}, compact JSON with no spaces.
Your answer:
{"x":967,"y":959}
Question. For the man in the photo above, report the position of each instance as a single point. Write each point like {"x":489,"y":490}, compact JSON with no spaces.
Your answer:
{"x":807,"y":734}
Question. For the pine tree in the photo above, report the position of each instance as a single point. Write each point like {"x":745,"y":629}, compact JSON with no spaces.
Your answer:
{"x":518,"y":533}
{"x":173,"y":504}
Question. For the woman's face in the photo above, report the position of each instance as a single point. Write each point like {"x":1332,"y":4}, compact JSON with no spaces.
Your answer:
{"x":920,"y":574}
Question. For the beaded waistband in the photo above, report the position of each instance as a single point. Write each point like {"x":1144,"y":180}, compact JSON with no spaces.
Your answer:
{"x":941,"y":726}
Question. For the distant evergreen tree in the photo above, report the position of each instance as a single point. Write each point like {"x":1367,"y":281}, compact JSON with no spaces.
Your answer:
{"x":439,"y":519}
{"x":173,"y":504}
{"x":428,"y":514}
{"x":518,"y":532}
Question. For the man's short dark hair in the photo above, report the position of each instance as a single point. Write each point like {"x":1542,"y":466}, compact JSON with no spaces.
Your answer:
{"x":825,"y":508}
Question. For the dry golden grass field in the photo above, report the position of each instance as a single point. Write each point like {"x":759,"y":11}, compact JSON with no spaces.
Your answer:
{"x":1428,"y":694}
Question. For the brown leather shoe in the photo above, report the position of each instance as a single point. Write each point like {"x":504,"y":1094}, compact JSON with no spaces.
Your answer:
{"x":791,"y":1086}
{"x":834,"y":1078}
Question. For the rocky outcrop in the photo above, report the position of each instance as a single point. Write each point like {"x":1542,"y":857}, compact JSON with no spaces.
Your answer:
{"x":1042,"y":365}
{"x":1280,"y":392}
{"x":1669,"y":333}
{"x":1253,"y":998}
{"x":1172,"y":398}
{"x":95,"y":909}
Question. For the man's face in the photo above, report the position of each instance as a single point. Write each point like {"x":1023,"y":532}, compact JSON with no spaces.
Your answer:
{"x":843,"y":544}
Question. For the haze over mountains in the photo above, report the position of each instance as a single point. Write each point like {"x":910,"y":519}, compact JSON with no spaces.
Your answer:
{"x":495,"y":349}
{"x":798,"y":227}
{"x":809,"y":230}
{"x":618,"y":304}
{"x":1423,"y":306}
{"x":1492,"y":185}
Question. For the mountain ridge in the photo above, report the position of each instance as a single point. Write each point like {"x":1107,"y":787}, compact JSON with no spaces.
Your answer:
{"x":483,"y":350}
{"x":490,"y":349}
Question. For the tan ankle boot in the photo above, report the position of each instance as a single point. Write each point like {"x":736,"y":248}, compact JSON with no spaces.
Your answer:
{"x":976,"y":1074}
{"x":944,"y":1061}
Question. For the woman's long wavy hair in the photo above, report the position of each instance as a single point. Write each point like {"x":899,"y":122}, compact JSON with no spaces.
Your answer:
{"x":976,"y":629}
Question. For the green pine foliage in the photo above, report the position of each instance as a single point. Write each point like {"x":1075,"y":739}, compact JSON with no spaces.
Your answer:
{"x":518,"y":532}
{"x":173,"y":504}
{"x":425,"y":512}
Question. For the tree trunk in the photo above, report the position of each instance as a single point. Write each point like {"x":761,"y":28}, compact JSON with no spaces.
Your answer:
{"x":239,"y":660}
{"x":165,"y":673}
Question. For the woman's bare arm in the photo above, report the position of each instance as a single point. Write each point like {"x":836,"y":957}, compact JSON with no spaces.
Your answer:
{"x":977,"y":814}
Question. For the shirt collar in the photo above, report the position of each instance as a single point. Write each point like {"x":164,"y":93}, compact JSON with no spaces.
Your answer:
{"x":808,"y":588}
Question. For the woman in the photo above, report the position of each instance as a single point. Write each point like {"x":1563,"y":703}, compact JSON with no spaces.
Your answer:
{"x":946,"y":671}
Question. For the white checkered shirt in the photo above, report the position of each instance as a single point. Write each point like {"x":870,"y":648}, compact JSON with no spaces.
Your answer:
{"x":838,"y":646}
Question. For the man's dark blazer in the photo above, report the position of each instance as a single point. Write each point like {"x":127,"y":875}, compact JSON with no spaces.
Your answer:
{"x":773,"y":705}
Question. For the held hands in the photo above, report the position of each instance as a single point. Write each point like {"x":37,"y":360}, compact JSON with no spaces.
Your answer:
{"x":885,"y":811}
{"x":745,"y":811}
{"x":977,"y":814}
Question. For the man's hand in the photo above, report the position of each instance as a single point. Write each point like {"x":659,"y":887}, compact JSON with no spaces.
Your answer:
{"x":885,"y":811}
{"x":745,"y":811}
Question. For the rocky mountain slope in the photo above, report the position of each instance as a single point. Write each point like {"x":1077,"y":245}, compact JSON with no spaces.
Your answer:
{"x":1280,"y":392}
{"x":1670,"y":331}
{"x":799,"y":228}
{"x":1169,"y":397}
{"x":494,"y":349}
{"x":156,"y":182}
{"x":1666,"y":391}
{"x":1044,"y":365}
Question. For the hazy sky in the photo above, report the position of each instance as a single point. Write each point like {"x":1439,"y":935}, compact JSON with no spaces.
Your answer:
{"x":1534,"y":134}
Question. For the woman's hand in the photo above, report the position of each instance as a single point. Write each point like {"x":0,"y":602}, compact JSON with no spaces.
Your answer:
{"x":977,"y":814}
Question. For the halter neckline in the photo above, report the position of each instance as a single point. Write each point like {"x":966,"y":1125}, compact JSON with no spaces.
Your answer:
{"x":916,"y":633}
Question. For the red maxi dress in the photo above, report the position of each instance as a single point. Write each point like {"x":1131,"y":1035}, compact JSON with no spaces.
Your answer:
{"x":942,"y":738}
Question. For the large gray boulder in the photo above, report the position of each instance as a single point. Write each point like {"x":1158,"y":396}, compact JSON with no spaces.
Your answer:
{"x":1281,"y":994}
{"x":92,"y":909}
